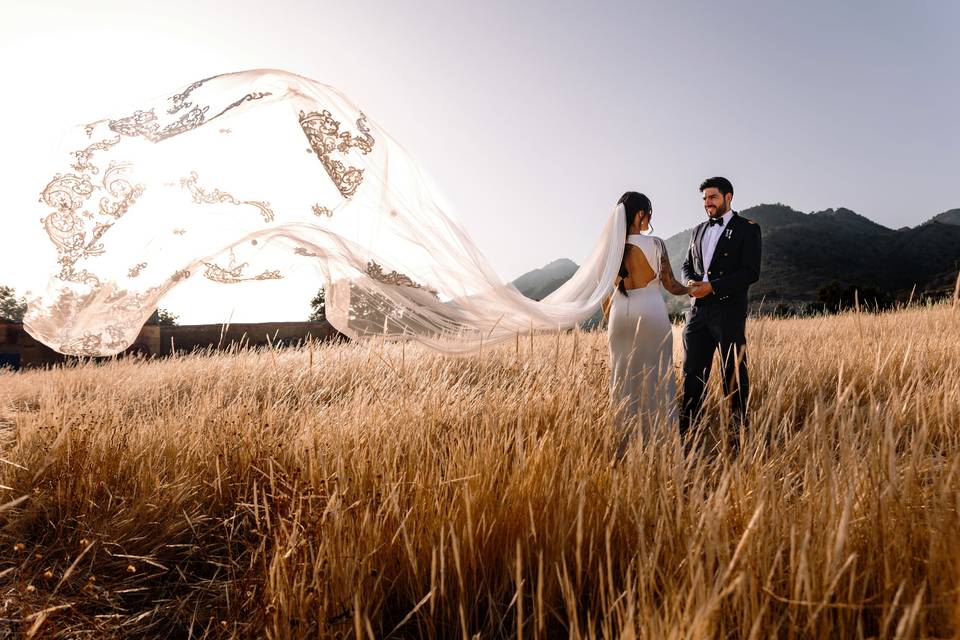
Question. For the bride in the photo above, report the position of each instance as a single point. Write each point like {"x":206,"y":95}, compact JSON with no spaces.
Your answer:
{"x":640,"y":334}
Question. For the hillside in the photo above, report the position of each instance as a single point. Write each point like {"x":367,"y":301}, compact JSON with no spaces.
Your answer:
{"x":540,"y":283}
{"x":947,"y":217}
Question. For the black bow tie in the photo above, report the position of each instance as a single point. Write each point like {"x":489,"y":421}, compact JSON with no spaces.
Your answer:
{"x":713,"y":221}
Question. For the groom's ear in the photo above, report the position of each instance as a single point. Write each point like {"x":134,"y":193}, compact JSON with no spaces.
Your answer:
{"x":729,"y":198}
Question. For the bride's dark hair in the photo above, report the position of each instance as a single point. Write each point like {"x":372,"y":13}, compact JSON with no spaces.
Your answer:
{"x":633,"y":203}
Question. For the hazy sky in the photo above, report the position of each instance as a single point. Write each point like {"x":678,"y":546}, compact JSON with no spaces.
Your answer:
{"x":531,"y":117}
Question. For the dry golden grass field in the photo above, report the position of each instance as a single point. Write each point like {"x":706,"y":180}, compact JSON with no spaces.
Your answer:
{"x":373,"y":491}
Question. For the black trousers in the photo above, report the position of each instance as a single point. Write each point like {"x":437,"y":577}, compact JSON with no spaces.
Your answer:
{"x":710,"y":327}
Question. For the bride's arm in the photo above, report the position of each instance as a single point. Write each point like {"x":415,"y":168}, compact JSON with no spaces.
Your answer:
{"x":606,"y":303}
{"x":666,"y":272}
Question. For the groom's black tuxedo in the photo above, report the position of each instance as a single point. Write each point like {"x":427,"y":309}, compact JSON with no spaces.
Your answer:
{"x":719,"y":319}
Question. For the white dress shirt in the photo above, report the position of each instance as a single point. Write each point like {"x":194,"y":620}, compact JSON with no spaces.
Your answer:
{"x":709,"y":242}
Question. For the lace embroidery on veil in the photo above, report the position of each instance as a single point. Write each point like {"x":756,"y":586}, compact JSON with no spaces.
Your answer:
{"x":293,"y":174}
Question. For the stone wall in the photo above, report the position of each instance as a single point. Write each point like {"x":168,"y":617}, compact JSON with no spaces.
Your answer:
{"x":19,"y":349}
{"x":191,"y":337}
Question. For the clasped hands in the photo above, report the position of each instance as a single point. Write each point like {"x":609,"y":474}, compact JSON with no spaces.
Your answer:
{"x":699,"y":289}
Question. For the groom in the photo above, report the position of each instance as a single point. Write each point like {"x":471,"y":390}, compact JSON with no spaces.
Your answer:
{"x":722,"y":262}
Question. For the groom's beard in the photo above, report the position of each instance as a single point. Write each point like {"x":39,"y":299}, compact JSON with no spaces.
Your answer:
{"x":716,"y":213}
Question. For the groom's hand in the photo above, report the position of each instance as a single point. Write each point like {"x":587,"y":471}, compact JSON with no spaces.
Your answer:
{"x":699,"y":289}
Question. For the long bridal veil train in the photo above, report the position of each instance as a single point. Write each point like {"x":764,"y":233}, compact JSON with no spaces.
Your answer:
{"x":240,"y":177}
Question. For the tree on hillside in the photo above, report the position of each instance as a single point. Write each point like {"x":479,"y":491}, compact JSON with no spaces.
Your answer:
{"x":12,"y":308}
{"x":318,"y":307}
{"x":165,"y":317}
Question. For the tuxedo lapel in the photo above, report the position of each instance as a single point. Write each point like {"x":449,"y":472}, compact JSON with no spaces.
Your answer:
{"x":698,"y":247}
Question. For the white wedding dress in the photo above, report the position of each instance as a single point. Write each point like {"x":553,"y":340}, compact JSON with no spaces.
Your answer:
{"x":642,"y":384}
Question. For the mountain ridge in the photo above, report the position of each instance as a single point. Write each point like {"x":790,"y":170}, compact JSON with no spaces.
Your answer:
{"x":947,"y":217}
{"x":803,"y":252}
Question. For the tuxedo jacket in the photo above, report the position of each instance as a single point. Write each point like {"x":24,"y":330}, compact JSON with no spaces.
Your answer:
{"x":735,"y":264}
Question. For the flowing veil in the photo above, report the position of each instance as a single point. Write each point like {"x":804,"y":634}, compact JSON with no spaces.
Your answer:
{"x":242,"y":176}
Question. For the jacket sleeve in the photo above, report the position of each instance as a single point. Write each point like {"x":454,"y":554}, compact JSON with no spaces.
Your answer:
{"x":749,"y":270}
{"x":687,"y":270}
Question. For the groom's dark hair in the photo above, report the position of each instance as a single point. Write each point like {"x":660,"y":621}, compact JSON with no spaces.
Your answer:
{"x":721,"y":184}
